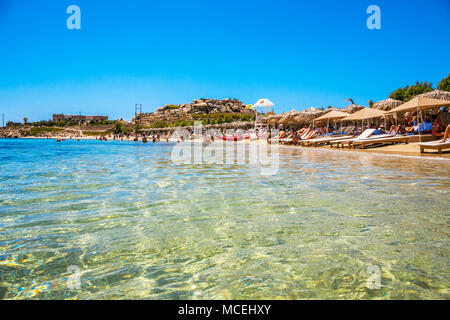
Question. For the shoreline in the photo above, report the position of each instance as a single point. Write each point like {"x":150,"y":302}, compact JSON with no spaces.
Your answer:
{"x":410,"y":150}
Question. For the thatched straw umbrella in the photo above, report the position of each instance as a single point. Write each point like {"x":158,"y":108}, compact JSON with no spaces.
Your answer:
{"x":287,"y":118}
{"x":366,"y":114}
{"x":437,"y":94}
{"x":333,"y":116}
{"x":272,"y":119}
{"x":307,"y":116}
{"x":352,"y":108}
{"x":293,"y":118}
{"x":387,"y":104}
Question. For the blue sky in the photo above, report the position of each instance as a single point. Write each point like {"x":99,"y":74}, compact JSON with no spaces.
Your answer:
{"x":296,"y":53}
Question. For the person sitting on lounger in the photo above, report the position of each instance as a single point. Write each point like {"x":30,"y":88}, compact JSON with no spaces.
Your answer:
{"x":295,"y":137}
{"x":424,"y":127}
{"x":437,"y":127}
{"x":401,"y":129}
{"x":394,"y":129}
{"x":374,"y":126}
{"x":410,"y":126}
{"x":446,"y":137}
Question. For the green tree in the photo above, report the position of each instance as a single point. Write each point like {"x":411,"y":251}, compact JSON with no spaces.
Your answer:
{"x":25,"y":120}
{"x":407,"y":93}
{"x":137,"y":129}
{"x":126,"y":131}
{"x":444,"y":84}
{"x":117,"y":128}
{"x":370,"y":103}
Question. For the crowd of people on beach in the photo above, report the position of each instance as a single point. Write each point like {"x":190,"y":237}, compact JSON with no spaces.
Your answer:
{"x":436,"y":125}
{"x":433,"y":124}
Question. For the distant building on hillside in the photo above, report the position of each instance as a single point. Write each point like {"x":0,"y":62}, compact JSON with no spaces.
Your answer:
{"x":77,"y":118}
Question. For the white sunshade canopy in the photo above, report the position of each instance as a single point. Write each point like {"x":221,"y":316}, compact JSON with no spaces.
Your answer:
{"x":264,"y":103}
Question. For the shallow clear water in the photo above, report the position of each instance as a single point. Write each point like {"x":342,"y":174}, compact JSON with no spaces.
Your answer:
{"x":139,"y":226}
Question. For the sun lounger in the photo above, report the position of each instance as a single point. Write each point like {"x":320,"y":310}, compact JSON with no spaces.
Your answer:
{"x":343,"y":142}
{"x":348,"y":130}
{"x":286,"y":140}
{"x":435,"y":145}
{"x":309,"y":135}
{"x":391,"y":139}
{"x":326,"y":140}
{"x":306,"y":133}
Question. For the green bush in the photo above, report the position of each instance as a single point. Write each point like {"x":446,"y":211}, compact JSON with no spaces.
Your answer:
{"x":407,"y":93}
{"x":97,"y":133}
{"x":205,"y":118}
{"x":444,"y":84}
{"x":117,"y":128}
{"x":159,"y":124}
{"x":218,"y":118}
{"x":37,"y":130}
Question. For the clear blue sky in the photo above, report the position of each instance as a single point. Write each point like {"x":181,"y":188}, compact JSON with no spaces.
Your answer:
{"x":296,"y":53}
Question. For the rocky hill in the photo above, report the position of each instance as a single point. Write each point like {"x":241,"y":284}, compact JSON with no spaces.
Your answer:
{"x":194,"y":110}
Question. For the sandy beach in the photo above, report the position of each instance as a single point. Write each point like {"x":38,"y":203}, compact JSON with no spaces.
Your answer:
{"x":410,"y":149}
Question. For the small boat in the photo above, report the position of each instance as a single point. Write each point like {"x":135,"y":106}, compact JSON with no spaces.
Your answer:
{"x":58,"y":140}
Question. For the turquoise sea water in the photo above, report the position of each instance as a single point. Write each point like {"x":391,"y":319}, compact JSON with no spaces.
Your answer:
{"x":139,"y":226}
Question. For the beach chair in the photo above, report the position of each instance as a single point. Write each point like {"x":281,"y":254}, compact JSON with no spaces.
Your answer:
{"x":308,"y":134}
{"x":287,"y":140}
{"x":380,"y":140}
{"x":435,"y":145}
{"x":348,"y":130}
{"x":343,"y":142}
{"x":326,"y":140}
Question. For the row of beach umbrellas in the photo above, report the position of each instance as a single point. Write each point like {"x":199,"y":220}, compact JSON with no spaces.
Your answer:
{"x":381,"y":109}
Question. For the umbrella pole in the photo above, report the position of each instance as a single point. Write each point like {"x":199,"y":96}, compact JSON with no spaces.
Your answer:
{"x":418,"y":125}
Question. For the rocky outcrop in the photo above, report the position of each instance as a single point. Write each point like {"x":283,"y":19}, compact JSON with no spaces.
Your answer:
{"x":11,"y":133}
{"x":188,"y":111}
